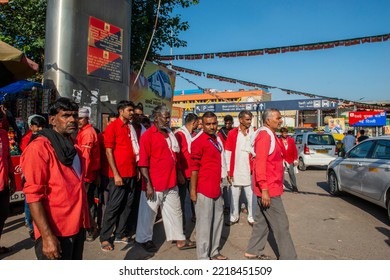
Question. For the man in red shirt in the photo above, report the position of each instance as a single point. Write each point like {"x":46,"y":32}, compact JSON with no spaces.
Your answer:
{"x":7,"y":182}
{"x":225,"y":184}
{"x":159,"y":168}
{"x":54,"y":189}
{"x":104,"y":169}
{"x":206,"y":173}
{"x":290,"y":153}
{"x":184,"y":138}
{"x":122,"y":173}
{"x":88,"y":142}
{"x":268,"y":187}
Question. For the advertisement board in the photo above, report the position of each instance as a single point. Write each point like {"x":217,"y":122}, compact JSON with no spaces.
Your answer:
{"x":336,"y":125}
{"x":154,"y":86}
{"x":367,"y":118}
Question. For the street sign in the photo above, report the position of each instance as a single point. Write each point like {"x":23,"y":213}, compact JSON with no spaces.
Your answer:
{"x":202,"y":108}
{"x":367,"y":118}
{"x":299,"y":104}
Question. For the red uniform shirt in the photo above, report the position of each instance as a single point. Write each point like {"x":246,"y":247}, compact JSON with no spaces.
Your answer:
{"x":58,"y":187}
{"x":291,"y":153}
{"x":88,"y":142}
{"x":268,"y":169}
{"x":184,"y":155}
{"x":206,"y":159}
{"x":25,"y":140}
{"x":5,"y":159}
{"x":155,"y":154}
{"x":117,"y":137}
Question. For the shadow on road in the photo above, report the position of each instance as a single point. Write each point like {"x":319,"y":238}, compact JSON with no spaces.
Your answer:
{"x":371,"y":208}
{"x":385,"y":232}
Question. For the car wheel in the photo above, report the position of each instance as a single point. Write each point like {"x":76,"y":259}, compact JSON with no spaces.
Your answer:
{"x":333,"y":183}
{"x":301,"y":165}
{"x":388,"y":208}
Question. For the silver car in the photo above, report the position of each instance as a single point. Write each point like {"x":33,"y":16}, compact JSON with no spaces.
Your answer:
{"x":364,"y":172}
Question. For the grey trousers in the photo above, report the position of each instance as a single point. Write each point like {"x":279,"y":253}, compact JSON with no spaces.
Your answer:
{"x":209,"y":224}
{"x":274,"y":217}
{"x":293,"y":180}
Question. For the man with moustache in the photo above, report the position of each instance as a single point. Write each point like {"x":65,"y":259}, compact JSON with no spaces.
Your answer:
{"x":239,"y":163}
{"x":122,"y":173}
{"x":268,"y":174}
{"x":206,"y":173}
{"x":159,"y":167}
{"x":54,"y":189}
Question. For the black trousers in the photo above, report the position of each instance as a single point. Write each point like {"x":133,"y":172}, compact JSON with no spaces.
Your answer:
{"x":4,"y":207}
{"x":118,"y":209}
{"x":72,"y":246}
{"x":183,"y":194}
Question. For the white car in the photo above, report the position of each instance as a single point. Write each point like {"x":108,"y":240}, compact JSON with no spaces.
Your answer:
{"x":364,"y":172}
{"x":315,"y":149}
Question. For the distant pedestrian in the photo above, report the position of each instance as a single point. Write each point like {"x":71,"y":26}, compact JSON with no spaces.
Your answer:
{"x":268,"y":187}
{"x":362,"y":136}
{"x":54,"y":189}
{"x":290,"y":153}
{"x":207,"y":164}
{"x":349,"y":141}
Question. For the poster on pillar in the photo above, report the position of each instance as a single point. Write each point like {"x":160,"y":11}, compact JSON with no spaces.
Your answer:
{"x":154,"y":86}
{"x":104,"y":50}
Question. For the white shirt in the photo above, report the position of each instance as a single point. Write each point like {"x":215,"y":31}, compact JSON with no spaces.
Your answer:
{"x":242,"y":172}
{"x":349,"y":141}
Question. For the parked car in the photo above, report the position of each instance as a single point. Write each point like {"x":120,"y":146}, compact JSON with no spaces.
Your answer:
{"x":364,"y":172}
{"x":315,"y":149}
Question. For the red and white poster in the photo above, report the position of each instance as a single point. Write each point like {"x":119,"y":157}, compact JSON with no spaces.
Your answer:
{"x":104,"y":50}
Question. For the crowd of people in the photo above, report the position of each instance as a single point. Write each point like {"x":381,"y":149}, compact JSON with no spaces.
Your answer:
{"x":81,"y":184}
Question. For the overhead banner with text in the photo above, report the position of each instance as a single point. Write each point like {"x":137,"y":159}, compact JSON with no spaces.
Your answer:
{"x":367,"y":118}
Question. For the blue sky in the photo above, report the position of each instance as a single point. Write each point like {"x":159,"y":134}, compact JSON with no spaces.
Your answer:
{"x":354,"y":72}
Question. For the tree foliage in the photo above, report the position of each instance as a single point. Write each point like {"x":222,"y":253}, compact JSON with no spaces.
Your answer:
{"x":22,"y":25}
{"x":167,"y":31}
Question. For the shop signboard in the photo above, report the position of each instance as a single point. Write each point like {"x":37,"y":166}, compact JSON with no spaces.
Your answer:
{"x":367,"y":118}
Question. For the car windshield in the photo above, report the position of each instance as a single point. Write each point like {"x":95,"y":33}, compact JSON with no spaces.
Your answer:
{"x":320,"y":139}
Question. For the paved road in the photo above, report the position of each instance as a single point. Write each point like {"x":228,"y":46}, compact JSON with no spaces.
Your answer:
{"x":323,"y":228}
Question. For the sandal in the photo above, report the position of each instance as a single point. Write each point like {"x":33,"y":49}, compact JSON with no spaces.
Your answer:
{"x":4,"y":250}
{"x":219,"y":257}
{"x":187,"y":245}
{"x":256,"y":257}
{"x":106,"y":246}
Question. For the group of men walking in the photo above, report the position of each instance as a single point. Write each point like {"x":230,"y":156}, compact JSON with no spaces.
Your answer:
{"x":62,"y":176}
